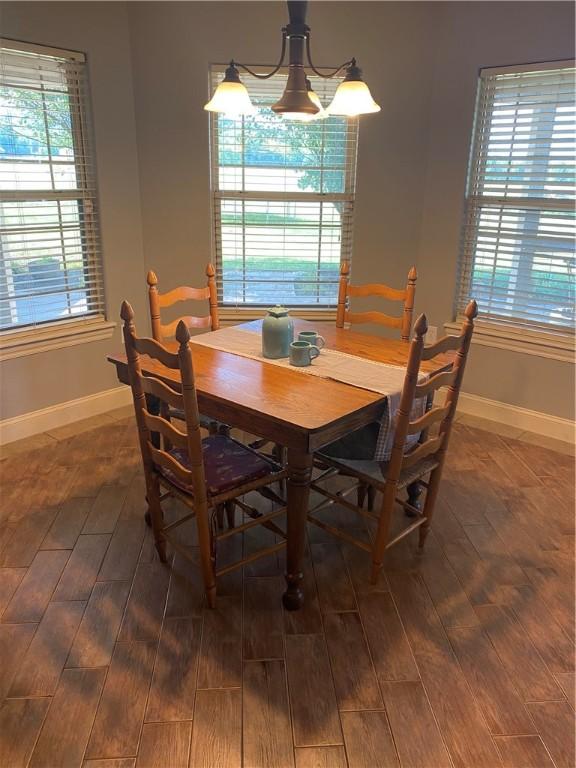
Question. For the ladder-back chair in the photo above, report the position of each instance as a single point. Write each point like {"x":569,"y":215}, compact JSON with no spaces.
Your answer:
{"x":208,"y":475}
{"x":405,"y":295}
{"x":162,"y":332}
{"x":403,"y":468}
{"x":159,"y":301}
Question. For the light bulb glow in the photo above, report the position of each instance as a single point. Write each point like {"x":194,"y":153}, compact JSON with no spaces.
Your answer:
{"x":352,"y":98}
{"x":231,"y":99}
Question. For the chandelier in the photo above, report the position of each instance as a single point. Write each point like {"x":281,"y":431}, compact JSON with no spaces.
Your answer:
{"x":299,"y":101}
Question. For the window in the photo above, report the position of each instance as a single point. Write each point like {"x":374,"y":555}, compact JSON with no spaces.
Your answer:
{"x":50,"y":267}
{"x":283,"y":197}
{"x":517,"y":255}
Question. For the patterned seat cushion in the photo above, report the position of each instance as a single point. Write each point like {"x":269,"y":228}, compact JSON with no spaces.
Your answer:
{"x":227,"y":464}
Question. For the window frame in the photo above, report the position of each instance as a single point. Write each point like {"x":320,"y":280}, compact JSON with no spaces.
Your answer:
{"x":550,"y":341}
{"x":229,"y":312}
{"x":67,"y":331}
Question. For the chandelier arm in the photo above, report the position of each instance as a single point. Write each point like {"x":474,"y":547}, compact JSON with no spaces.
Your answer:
{"x":317,"y":71}
{"x":276,"y":68}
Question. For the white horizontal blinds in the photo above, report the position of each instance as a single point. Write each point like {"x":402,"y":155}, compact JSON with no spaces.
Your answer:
{"x":518,"y":257}
{"x":283,"y":199}
{"x":50,"y":265}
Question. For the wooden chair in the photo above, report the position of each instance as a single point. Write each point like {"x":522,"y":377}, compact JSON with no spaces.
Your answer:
{"x":161,"y":333}
{"x":425,"y":459}
{"x":208,"y":475}
{"x":159,"y":301}
{"x":406,"y":295}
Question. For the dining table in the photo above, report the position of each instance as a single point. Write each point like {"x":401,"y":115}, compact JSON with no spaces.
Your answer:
{"x":303,"y":413}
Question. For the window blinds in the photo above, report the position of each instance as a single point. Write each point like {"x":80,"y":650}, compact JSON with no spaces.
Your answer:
{"x":283,"y":199}
{"x":517,"y":256}
{"x":50,"y":266}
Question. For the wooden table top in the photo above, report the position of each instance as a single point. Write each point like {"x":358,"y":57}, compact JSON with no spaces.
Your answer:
{"x":293,"y":401}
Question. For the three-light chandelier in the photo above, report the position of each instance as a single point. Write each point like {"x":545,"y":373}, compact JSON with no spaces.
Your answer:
{"x":299,"y":101}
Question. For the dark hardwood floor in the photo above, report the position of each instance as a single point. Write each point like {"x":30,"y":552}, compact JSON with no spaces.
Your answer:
{"x":462,"y":656}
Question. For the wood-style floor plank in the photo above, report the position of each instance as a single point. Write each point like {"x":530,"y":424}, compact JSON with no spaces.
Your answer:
{"x":20,"y":724}
{"x":164,"y":745}
{"x":523,"y":752}
{"x":145,"y":608}
{"x":521,"y":660}
{"x":320,"y":757}
{"x":220,"y":662}
{"x":555,"y":723}
{"x":567,"y":681}
{"x":82,"y":568}
{"x":36,"y":588}
{"x":217,"y":729}
{"x":421,"y":622}
{"x":186,"y":591}
{"x":171,"y":696}
{"x":263,"y":619}
{"x":121,"y":710}
{"x":490,"y":683}
{"x":389,"y":647}
{"x":121,"y":762}
{"x":68,"y":524}
{"x":67,"y":726}
{"x":94,"y":642}
{"x":104,"y":510}
{"x":14,"y":642}
{"x":414,"y":728}
{"x":10,"y":579}
{"x":40,"y":669}
{"x":267,"y":735}
{"x":448,"y":596}
{"x":122,"y":555}
{"x":312,"y":697}
{"x":335,"y":591}
{"x":352,"y":669}
{"x":368,"y":740}
{"x":458,"y":715}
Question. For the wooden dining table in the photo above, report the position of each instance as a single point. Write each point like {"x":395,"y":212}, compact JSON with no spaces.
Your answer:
{"x":301,"y":412}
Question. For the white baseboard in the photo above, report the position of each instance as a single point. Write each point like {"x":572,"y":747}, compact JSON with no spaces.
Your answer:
{"x":514,"y":416}
{"x":61,"y":414}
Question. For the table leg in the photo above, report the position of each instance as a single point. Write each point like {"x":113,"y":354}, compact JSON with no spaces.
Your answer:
{"x":299,"y":474}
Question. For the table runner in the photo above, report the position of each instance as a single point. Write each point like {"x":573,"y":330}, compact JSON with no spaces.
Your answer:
{"x":382,"y":378}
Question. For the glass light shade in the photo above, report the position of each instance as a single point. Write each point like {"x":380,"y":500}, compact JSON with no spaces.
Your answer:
{"x":231,"y":99}
{"x":352,"y":98}
{"x":303,"y":117}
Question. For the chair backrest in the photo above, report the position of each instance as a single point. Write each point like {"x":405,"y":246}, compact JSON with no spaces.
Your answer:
{"x":406,"y":295}
{"x":159,"y":300}
{"x":435,"y":446}
{"x":186,"y":401}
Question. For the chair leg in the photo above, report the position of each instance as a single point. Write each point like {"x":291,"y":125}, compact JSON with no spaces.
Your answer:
{"x":382,"y":534}
{"x":429,"y":504}
{"x":230,"y":507}
{"x":361,"y":494}
{"x":414,"y":491}
{"x":371,"y":497}
{"x":206,"y":555}
{"x":156,"y":518}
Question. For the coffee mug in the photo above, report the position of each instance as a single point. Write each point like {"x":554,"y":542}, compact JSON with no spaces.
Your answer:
{"x":312,"y":337}
{"x":302,"y":353}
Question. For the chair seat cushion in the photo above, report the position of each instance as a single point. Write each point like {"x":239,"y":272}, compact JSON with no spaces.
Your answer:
{"x":375,"y":471}
{"x":227,"y":464}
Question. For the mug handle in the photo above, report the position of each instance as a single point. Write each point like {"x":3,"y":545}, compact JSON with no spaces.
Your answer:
{"x":313,"y":352}
{"x":320,"y":342}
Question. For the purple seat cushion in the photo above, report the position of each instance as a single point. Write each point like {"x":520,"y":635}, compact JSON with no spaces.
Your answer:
{"x":227,"y":464}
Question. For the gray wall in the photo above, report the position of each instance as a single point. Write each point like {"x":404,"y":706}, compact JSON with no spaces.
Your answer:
{"x":421,"y":61}
{"x":101,"y":31}
{"x":471,"y":36}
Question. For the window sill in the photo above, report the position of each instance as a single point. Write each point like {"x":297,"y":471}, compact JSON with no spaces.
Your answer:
{"x":516,"y":339}
{"x":235,"y":315}
{"x":54,"y":336}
